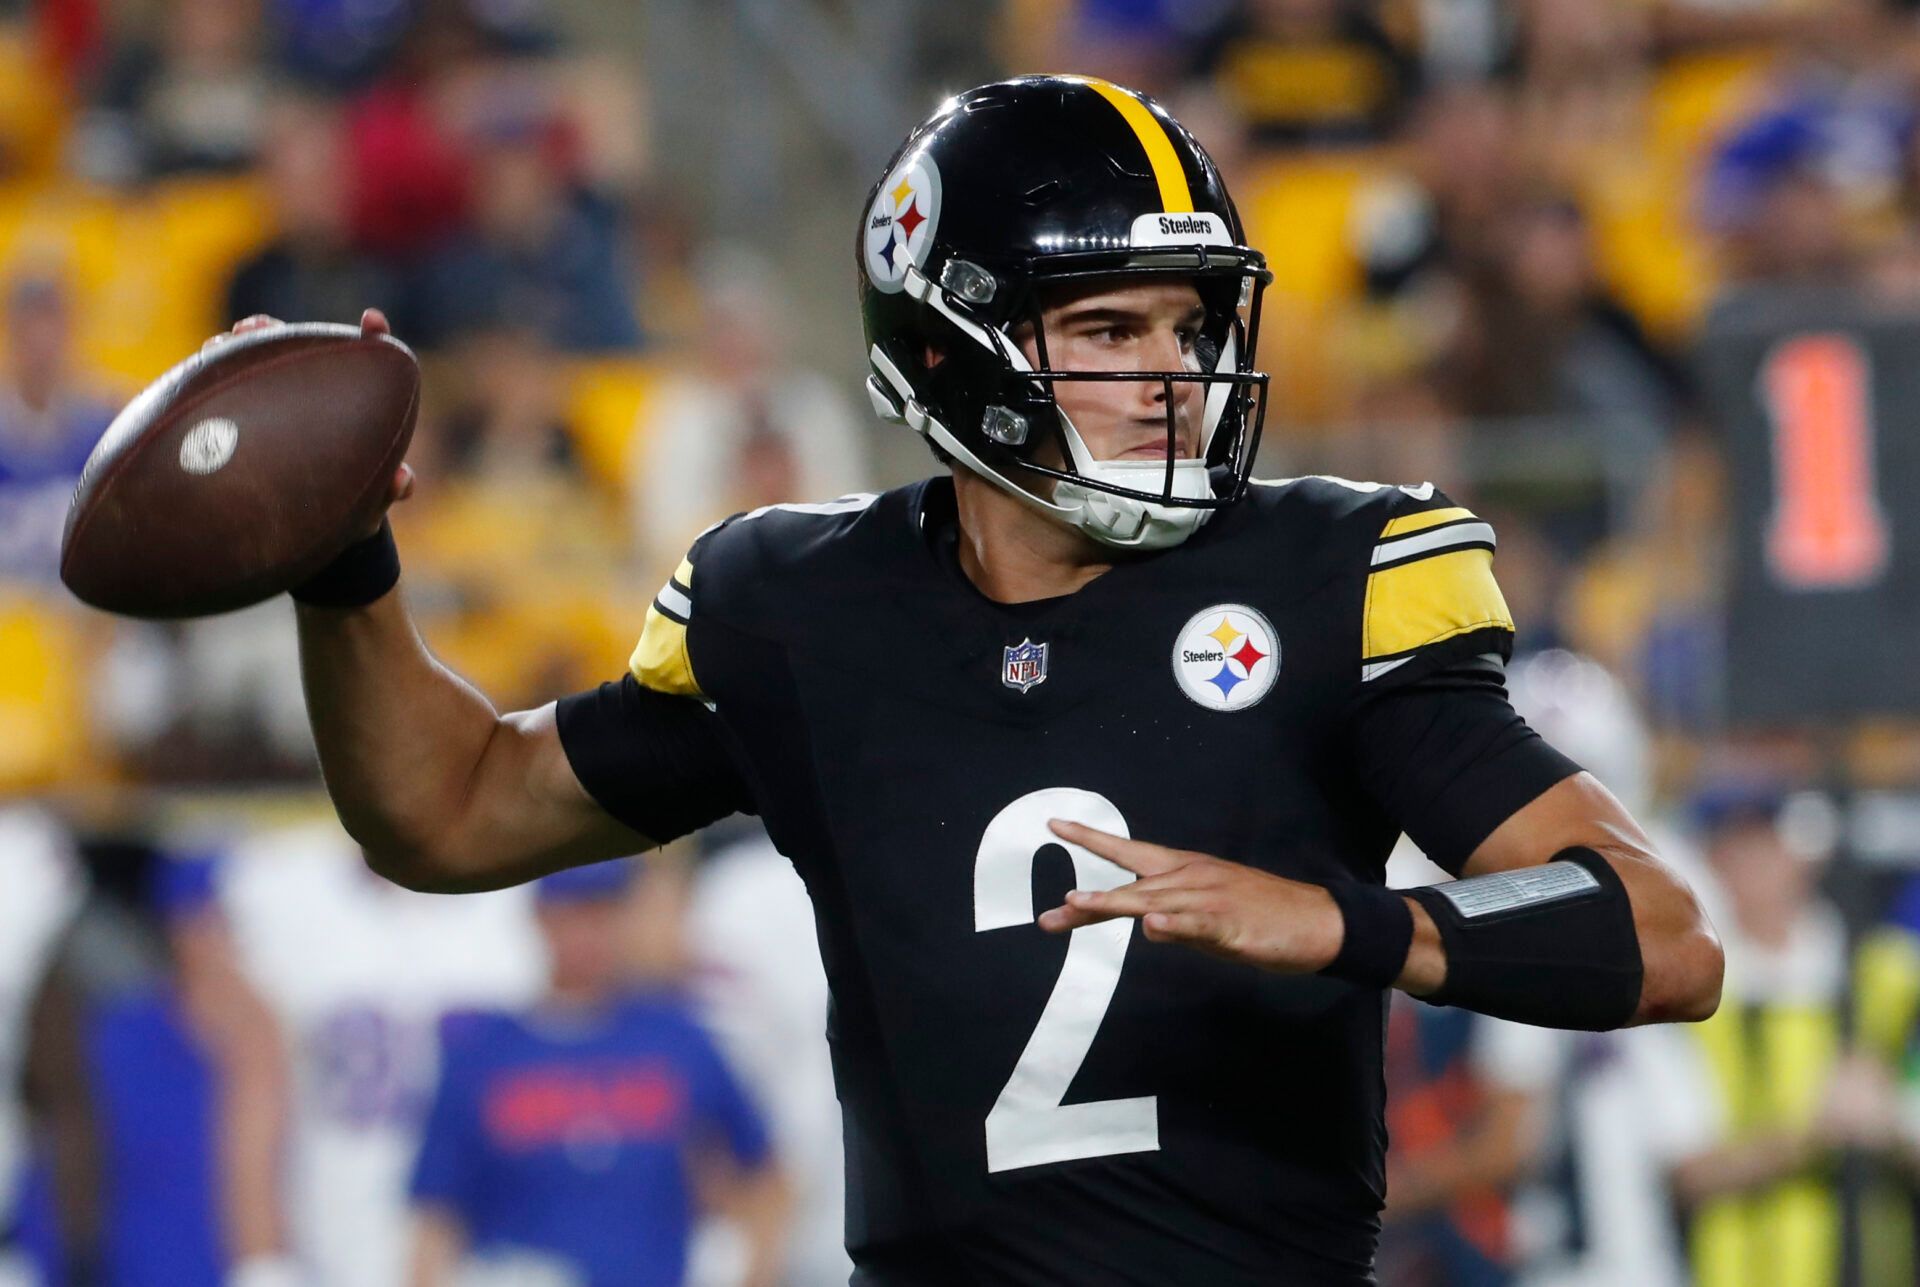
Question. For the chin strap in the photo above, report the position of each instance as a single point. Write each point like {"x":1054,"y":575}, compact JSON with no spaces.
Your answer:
{"x":1119,"y":521}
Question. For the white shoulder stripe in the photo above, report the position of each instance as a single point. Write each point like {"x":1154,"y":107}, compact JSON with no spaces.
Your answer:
{"x":675,"y":600}
{"x":1434,"y":538}
{"x":845,"y":505}
{"x":1422,"y":492}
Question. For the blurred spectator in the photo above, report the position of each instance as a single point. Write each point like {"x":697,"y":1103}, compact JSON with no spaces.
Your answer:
{"x":1310,"y":71}
{"x":1468,"y":1099}
{"x":1461,"y":40}
{"x":542,"y":250}
{"x":1142,"y":44}
{"x":1469,"y":1103}
{"x":505,"y":424}
{"x":1802,"y":184}
{"x":1584,"y":85}
{"x":516,"y":552}
{"x":578,"y":1140}
{"x":311,"y":272}
{"x":49,"y":423}
{"x":359,"y":973}
{"x":1777,"y":1097}
{"x":188,"y":97}
{"x":1599,"y":1211}
{"x":186,"y":1086}
{"x":740,"y":425}
{"x":1553,"y":341}
{"x":763,"y":991}
{"x":43,"y":892}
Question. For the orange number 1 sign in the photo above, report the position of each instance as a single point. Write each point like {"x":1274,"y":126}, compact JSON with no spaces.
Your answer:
{"x":1827,"y":530}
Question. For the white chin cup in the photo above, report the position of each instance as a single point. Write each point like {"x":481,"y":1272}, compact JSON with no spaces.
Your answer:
{"x":1129,"y":523}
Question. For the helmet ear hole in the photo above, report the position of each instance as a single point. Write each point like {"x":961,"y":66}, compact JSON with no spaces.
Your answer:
{"x":1007,"y":427}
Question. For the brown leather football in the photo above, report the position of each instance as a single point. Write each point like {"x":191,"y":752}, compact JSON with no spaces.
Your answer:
{"x":239,"y":473}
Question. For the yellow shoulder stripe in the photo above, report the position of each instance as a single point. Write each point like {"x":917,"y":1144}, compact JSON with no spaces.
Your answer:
{"x":660,"y":660}
{"x":1422,"y":521}
{"x":1175,"y":196}
{"x":1431,"y":599}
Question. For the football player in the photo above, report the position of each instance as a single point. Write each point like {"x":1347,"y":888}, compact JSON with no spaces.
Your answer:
{"x":1091,"y":656}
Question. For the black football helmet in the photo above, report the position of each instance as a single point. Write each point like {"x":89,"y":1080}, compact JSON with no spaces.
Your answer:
{"x":1017,"y":186}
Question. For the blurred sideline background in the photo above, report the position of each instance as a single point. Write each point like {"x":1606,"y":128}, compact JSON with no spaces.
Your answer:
{"x":1519,"y":246}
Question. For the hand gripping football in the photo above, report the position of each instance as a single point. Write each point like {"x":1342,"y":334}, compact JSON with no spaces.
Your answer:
{"x":241,"y":472}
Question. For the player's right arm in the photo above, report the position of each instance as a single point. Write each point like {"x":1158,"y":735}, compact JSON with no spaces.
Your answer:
{"x":442,"y":792}
{"x":445,"y":794}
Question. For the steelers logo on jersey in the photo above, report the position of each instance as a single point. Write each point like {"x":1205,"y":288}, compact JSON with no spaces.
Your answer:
{"x":1226,"y":657}
{"x":899,"y":229}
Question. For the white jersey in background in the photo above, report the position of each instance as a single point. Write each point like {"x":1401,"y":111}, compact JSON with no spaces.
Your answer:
{"x":359,"y":973}
{"x":43,"y":890}
{"x":763,"y":993}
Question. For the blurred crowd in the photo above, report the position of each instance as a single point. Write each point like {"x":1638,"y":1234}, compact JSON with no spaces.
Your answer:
{"x":1502,"y":232}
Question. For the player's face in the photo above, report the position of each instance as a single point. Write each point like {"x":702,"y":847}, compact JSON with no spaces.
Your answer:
{"x":1112,"y":325}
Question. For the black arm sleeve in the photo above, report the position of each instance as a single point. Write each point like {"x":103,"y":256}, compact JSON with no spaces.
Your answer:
{"x":1448,"y":757}
{"x":656,"y":762}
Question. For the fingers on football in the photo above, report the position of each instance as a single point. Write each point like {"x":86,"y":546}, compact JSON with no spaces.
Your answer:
{"x":257,"y":322}
{"x":1137,"y":856}
{"x":374,"y":322}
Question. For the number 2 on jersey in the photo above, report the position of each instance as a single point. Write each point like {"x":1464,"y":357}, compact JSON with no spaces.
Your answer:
{"x":1028,"y":1124}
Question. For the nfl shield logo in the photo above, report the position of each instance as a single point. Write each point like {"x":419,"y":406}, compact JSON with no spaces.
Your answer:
{"x":1025,"y":665}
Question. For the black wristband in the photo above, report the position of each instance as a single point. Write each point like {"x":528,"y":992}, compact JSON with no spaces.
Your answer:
{"x":1553,"y":945}
{"x":358,"y":575}
{"x":1379,"y":933}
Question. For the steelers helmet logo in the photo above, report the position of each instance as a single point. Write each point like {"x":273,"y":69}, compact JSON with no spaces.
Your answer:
{"x":1226,"y":657}
{"x":899,"y":228}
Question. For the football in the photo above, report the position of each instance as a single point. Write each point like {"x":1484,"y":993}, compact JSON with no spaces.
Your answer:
{"x":240,"y":472}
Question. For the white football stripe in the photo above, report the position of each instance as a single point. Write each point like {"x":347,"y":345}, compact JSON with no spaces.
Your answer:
{"x":1438,"y":538}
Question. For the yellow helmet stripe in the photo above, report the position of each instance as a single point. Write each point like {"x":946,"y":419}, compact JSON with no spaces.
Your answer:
{"x":1175,"y":196}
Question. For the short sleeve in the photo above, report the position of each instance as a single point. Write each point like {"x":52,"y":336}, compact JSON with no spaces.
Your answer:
{"x":1448,"y":758}
{"x":448,"y":1169}
{"x":724,"y":1107}
{"x":1430,"y":595}
{"x":659,"y":763}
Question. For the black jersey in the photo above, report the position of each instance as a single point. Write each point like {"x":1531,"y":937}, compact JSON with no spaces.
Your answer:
{"x":1028,"y":1108}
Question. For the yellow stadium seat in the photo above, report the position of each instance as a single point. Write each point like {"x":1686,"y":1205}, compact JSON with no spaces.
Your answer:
{"x":1300,"y":210}
{"x":1693,"y":99}
{"x":42,"y":717}
{"x":148,"y":272}
{"x":1650,"y":249}
{"x":605,"y":397}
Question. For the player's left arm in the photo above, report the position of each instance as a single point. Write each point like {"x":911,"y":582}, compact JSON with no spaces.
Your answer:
{"x":1563,"y":917}
{"x":1611,"y":936}
{"x":1679,"y":954}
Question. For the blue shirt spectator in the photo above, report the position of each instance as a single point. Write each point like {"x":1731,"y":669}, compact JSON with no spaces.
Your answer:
{"x":569,"y":1138}
{"x":47,"y":430}
{"x":570,"y":1135}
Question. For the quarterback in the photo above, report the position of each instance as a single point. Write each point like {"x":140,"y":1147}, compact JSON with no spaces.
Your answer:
{"x":1090,"y":750}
